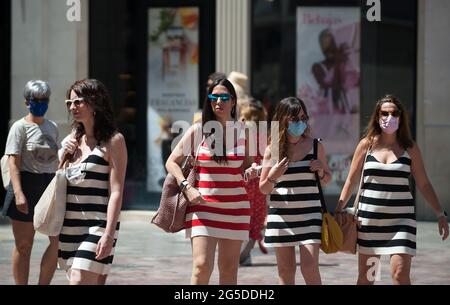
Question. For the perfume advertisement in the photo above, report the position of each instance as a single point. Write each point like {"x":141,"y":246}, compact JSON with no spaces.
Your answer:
{"x":328,"y":80}
{"x":173,"y":82}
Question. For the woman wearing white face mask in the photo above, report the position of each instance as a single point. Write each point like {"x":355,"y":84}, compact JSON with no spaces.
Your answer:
{"x":388,"y":156}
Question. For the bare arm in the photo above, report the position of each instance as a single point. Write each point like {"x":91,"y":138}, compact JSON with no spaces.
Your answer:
{"x":354,"y":174}
{"x":173,"y":164}
{"x":14,"y":172}
{"x":321,"y":166}
{"x":266,"y":186}
{"x":423,"y":183}
{"x":249,"y":160}
{"x":270,"y":174}
{"x":118,"y":161}
{"x":118,"y":164}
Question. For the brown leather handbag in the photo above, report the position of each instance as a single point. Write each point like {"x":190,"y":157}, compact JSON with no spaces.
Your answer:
{"x":348,"y":220}
{"x":171,"y":214}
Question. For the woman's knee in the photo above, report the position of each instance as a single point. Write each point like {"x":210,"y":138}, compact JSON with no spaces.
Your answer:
{"x":82,"y":277}
{"x":400,"y":274}
{"x":228,"y":266}
{"x":202,"y":265}
{"x":54,"y":242}
{"x":286,"y":270}
{"x":24,"y":246}
{"x":309,"y":266}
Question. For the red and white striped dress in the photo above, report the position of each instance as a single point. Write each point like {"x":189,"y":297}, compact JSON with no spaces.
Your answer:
{"x":226,"y":213}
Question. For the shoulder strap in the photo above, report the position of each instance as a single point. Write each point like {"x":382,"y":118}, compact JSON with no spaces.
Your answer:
{"x":361,"y":179}
{"x":319,"y":186}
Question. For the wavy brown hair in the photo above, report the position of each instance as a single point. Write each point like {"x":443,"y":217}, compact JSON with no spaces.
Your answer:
{"x":97,"y":96}
{"x":373,"y":129}
{"x":286,"y":108}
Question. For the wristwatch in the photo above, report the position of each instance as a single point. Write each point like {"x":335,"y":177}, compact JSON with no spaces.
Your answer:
{"x":183,"y":184}
{"x":443,"y":213}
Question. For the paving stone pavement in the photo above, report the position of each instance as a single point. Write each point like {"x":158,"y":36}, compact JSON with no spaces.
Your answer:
{"x":146,"y":255}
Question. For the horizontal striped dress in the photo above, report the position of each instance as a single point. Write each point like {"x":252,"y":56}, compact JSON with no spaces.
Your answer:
{"x":226,"y":213}
{"x":386,"y":208}
{"x":85,"y":219}
{"x":294,"y":216}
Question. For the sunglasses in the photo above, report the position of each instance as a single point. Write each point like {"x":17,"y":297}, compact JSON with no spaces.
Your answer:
{"x":395,"y":113}
{"x":76,"y":102}
{"x":223,"y":97}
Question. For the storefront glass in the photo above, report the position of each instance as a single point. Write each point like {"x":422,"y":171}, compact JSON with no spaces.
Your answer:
{"x":289,"y":48}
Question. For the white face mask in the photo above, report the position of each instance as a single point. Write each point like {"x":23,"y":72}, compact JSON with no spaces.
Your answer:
{"x":389,"y":125}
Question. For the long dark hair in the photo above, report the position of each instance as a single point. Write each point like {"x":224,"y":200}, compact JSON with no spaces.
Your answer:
{"x":209,"y":115}
{"x":286,"y":108}
{"x":373,"y":129}
{"x":97,"y":96}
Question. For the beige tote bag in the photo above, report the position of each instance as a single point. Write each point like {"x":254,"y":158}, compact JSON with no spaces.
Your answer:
{"x":51,"y":208}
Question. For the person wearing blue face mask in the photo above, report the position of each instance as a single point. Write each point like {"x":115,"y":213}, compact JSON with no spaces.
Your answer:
{"x":294,"y":217}
{"x":32,"y":152}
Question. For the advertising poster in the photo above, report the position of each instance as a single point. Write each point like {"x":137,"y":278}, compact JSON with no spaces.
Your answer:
{"x":328,"y":81}
{"x":173,"y":83}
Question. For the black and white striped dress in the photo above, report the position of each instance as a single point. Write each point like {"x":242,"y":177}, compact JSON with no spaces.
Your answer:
{"x":85,"y":219}
{"x":386,"y":208}
{"x":294,"y":216}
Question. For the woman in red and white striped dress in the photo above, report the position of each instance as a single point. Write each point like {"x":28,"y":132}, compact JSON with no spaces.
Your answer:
{"x":220,"y":214}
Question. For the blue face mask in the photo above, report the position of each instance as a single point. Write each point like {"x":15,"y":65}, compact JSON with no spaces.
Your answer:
{"x":296,"y":129}
{"x":38,"y":109}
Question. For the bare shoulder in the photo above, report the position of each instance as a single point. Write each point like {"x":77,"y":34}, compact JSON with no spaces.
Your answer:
{"x":117,"y":140}
{"x":116,"y":144}
{"x":414,"y":150}
{"x":363,"y":145}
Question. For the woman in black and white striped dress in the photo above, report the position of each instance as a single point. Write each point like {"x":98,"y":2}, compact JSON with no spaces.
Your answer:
{"x":386,"y":205}
{"x":294,"y":217}
{"x":96,"y":176}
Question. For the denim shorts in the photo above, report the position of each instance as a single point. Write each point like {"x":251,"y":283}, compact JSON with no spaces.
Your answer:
{"x":33,"y":185}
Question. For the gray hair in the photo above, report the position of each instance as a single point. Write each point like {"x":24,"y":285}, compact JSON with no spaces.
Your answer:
{"x":36,"y":89}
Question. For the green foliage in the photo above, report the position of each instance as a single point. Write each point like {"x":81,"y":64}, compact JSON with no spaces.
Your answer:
{"x":167,"y":17}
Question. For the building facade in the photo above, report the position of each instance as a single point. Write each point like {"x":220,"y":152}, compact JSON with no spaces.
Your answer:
{"x":407,"y":53}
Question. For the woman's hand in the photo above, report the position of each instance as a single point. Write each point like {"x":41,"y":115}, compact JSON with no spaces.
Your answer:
{"x":443,"y":227}
{"x":22,"y":203}
{"x":279,"y":169}
{"x":104,"y":247}
{"x":193,"y":195}
{"x":252,"y":172}
{"x":70,"y":146}
{"x":316,"y":166}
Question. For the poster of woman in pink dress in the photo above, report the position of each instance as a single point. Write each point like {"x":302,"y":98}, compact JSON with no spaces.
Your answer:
{"x":328,"y":79}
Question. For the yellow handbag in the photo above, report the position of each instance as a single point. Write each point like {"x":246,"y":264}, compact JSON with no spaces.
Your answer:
{"x":332,"y":237}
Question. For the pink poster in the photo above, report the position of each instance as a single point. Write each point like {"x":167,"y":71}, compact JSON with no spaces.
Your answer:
{"x":328,"y":80}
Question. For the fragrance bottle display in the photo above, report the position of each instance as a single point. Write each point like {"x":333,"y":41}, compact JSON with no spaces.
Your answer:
{"x":174,"y":53}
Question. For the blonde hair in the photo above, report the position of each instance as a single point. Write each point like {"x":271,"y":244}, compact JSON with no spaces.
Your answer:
{"x":253,"y":112}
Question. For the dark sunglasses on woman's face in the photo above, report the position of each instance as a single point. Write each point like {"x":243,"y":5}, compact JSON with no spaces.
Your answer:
{"x":395,"y":113}
{"x":76,"y":102}
{"x":225,"y":97}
